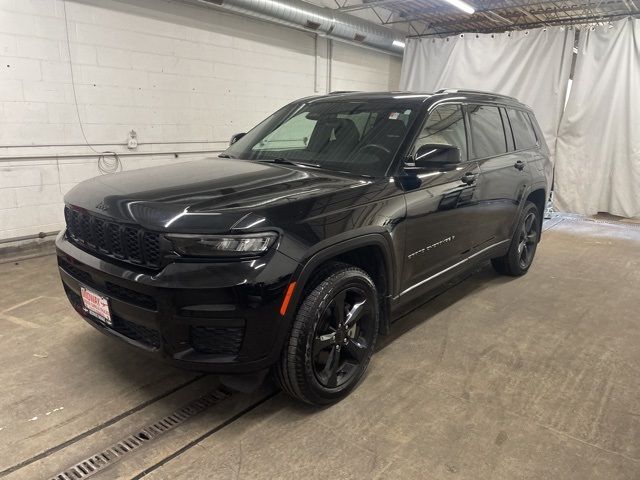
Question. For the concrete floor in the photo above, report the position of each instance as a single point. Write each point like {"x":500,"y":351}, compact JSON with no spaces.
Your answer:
{"x":498,"y":378}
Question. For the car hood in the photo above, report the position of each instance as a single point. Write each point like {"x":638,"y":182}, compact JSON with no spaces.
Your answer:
{"x":216,"y":195}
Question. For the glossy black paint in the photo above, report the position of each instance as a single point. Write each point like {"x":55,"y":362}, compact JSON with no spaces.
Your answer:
{"x":417,"y":229}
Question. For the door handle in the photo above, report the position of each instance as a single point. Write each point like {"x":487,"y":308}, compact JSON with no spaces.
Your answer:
{"x":519,"y":165}
{"x":469,"y":178}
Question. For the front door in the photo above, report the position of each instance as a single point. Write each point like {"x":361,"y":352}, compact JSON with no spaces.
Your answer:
{"x":441,"y":207}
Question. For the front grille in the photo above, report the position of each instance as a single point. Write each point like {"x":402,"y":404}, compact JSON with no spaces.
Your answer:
{"x":123,"y":242}
{"x":139,"y":333}
{"x":80,"y":275}
{"x":73,"y":297}
{"x":111,"y":289}
{"x":218,"y":341}
{"x":130,"y":296}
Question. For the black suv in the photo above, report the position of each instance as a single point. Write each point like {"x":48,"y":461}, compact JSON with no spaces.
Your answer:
{"x":309,"y":235}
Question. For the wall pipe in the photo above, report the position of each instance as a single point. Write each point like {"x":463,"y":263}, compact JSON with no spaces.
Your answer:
{"x":34,"y":236}
{"x":64,"y":156}
{"x":313,"y":18}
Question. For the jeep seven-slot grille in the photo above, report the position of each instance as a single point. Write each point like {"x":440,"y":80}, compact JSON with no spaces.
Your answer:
{"x":123,"y":242}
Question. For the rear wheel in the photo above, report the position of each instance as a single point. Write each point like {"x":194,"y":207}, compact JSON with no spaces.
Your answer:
{"x":519,"y":258}
{"x":332,"y":337}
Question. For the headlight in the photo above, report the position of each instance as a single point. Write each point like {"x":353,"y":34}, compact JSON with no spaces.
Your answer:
{"x":222,"y":245}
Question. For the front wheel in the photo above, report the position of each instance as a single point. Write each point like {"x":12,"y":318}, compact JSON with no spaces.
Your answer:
{"x":332,"y":337}
{"x":519,"y":258}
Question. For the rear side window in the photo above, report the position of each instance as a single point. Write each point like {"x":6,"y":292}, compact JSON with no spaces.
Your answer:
{"x":523,"y":133}
{"x":487,"y":132}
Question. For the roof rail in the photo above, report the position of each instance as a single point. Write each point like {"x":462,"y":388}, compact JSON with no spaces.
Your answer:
{"x":336,"y":92}
{"x":480,"y":92}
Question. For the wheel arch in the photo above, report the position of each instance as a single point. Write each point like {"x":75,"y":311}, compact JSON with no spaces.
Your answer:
{"x":538,"y":196}
{"x":372,"y":252}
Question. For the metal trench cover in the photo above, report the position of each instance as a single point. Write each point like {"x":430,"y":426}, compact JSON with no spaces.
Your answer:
{"x":107,"y":457}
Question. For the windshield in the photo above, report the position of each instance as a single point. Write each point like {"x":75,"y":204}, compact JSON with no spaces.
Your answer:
{"x":354,"y":137}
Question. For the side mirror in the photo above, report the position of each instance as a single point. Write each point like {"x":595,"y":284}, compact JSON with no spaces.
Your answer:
{"x":437,"y":157}
{"x":236,"y":137}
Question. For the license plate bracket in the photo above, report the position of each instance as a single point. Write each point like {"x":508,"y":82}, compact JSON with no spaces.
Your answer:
{"x":96,"y":305}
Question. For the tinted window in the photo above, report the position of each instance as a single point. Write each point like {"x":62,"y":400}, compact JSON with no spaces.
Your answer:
{"x":507,"y":130}
{"x":487,"y":133}
{"x":445,"y":126}
{"x":362,"y":120}
{"x":348,"y":136}
{"x":522,"y":130}
{"x":294,"y":133}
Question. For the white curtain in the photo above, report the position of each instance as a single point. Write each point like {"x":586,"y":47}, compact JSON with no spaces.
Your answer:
{"x":598,"y":166}
{"x":532,"y":66}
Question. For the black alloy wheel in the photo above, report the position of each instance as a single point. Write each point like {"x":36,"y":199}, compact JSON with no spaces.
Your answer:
{"x":524,"y":243}
{"x":527,"y":240}
{"x":332,"y":336}
{"x":343,"y":337}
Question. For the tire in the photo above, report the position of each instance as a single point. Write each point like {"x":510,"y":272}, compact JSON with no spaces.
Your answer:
{"x":519,"y":257}
{"x":330,"y":346}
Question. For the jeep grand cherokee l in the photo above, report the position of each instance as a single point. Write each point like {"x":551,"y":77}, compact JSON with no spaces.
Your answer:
{"x":303,"y":241}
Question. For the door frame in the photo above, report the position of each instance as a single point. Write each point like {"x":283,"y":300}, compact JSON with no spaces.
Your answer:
{"x":400,"y":166}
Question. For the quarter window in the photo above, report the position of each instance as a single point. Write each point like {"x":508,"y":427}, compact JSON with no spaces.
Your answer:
{"x":445,"y":126}
{"x":522,"y":130}
{"x":487,"y":132}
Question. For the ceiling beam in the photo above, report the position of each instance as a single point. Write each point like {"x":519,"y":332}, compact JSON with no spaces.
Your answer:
{"x":371,"y":4}
{"x":535,"y":11}
{"x":577,"y":21}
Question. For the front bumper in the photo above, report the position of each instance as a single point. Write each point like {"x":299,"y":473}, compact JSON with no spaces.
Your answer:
{"x":218,"y":317}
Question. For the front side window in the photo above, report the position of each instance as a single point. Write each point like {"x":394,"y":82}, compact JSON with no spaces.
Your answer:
{"x":350,"y":136}
{"x":445,"y":126}
{"x":293,"y":134}
{"x":522,"y":129}
{"x":487,"y":132}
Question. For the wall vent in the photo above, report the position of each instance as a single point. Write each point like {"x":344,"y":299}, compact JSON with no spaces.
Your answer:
{"x":312,"y":25}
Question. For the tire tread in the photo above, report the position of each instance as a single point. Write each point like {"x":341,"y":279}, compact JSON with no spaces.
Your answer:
{"x":290,"y":371}
{"x":508,"y":264}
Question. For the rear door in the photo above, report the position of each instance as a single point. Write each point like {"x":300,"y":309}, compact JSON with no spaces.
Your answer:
{"x":441,"y":207}
{"x":504,"y":172}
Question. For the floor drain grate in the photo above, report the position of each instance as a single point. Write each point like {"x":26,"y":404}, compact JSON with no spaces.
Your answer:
{"x":115,"y":452}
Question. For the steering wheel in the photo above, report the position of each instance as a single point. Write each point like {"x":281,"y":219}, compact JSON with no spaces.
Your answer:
{"x":376,"y":149}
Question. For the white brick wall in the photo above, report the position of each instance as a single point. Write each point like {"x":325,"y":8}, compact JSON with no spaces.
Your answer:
{"x":354,"y":68}
{"x":184,"y":77}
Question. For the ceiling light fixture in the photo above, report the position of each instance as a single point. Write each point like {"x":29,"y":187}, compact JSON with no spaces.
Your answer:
{"x":398,"y":43}
{"x":464,"y":6}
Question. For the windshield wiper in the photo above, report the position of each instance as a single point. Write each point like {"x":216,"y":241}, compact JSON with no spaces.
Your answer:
{"x":286,"y":161}
{"x":225,"y":155}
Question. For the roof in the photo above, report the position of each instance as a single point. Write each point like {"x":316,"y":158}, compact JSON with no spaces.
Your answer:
{"x":422,"y":97}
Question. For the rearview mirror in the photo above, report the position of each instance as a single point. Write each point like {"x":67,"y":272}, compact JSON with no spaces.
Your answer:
{"x":437,"y":157}
{"x":236,"y":137}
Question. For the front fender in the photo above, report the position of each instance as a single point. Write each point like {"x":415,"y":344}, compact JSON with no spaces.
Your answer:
{"x":326,"y":250}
